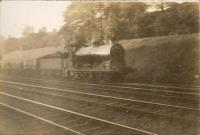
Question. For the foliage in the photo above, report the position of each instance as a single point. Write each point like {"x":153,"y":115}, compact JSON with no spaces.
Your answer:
{"x":126,"y":20}
{"x":175,"y":19}
{"x":1,"y":45}
{"x":100,"y":21}
{"x":31,"y":40}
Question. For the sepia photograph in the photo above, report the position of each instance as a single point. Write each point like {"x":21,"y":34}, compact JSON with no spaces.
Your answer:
{"x":100,"y":67}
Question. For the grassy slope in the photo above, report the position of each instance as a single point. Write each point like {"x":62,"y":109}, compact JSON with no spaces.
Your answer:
{"x":167,"y":59}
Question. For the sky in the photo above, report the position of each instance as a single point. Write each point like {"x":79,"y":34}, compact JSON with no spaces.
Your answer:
{"x":15,"y":15}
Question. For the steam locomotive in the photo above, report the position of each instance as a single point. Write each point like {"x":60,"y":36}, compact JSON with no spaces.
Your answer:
{"x":97,"y":63}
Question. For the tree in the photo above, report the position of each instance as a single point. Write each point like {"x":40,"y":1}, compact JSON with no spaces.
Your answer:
{"x":176,"y":18}
{"x":80,"y":21}
{"x":98,"y":20}
{"x":27,"y":30}
{"x":2,"y":39}
{"x":180,"y":19}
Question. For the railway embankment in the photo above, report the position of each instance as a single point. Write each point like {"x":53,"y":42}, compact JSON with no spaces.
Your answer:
{"x":164,"y":59}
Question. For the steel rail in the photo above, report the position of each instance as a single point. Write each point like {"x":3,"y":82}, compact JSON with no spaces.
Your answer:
{"x":123,"y":87}
{"x":42,"y":119}
{"x":105,"y":96}
{"x":79,"y":114}
{"x":88,"y":101}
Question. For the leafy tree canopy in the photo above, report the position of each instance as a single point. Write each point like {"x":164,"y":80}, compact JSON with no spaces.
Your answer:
{"x":100,"y":21}
{"x":86,"y":22}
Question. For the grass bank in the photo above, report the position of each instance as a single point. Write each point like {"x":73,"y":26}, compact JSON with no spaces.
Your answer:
{"x":167,"y":59}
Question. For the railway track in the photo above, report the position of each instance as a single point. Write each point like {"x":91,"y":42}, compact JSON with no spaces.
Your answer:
{"x":150,"y":117}
{"x":122,"y":85}
{"x":71,"y":121}
{"x":169,"y":98}
{"x":150,"y":88}
{"x":15,"y":121}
